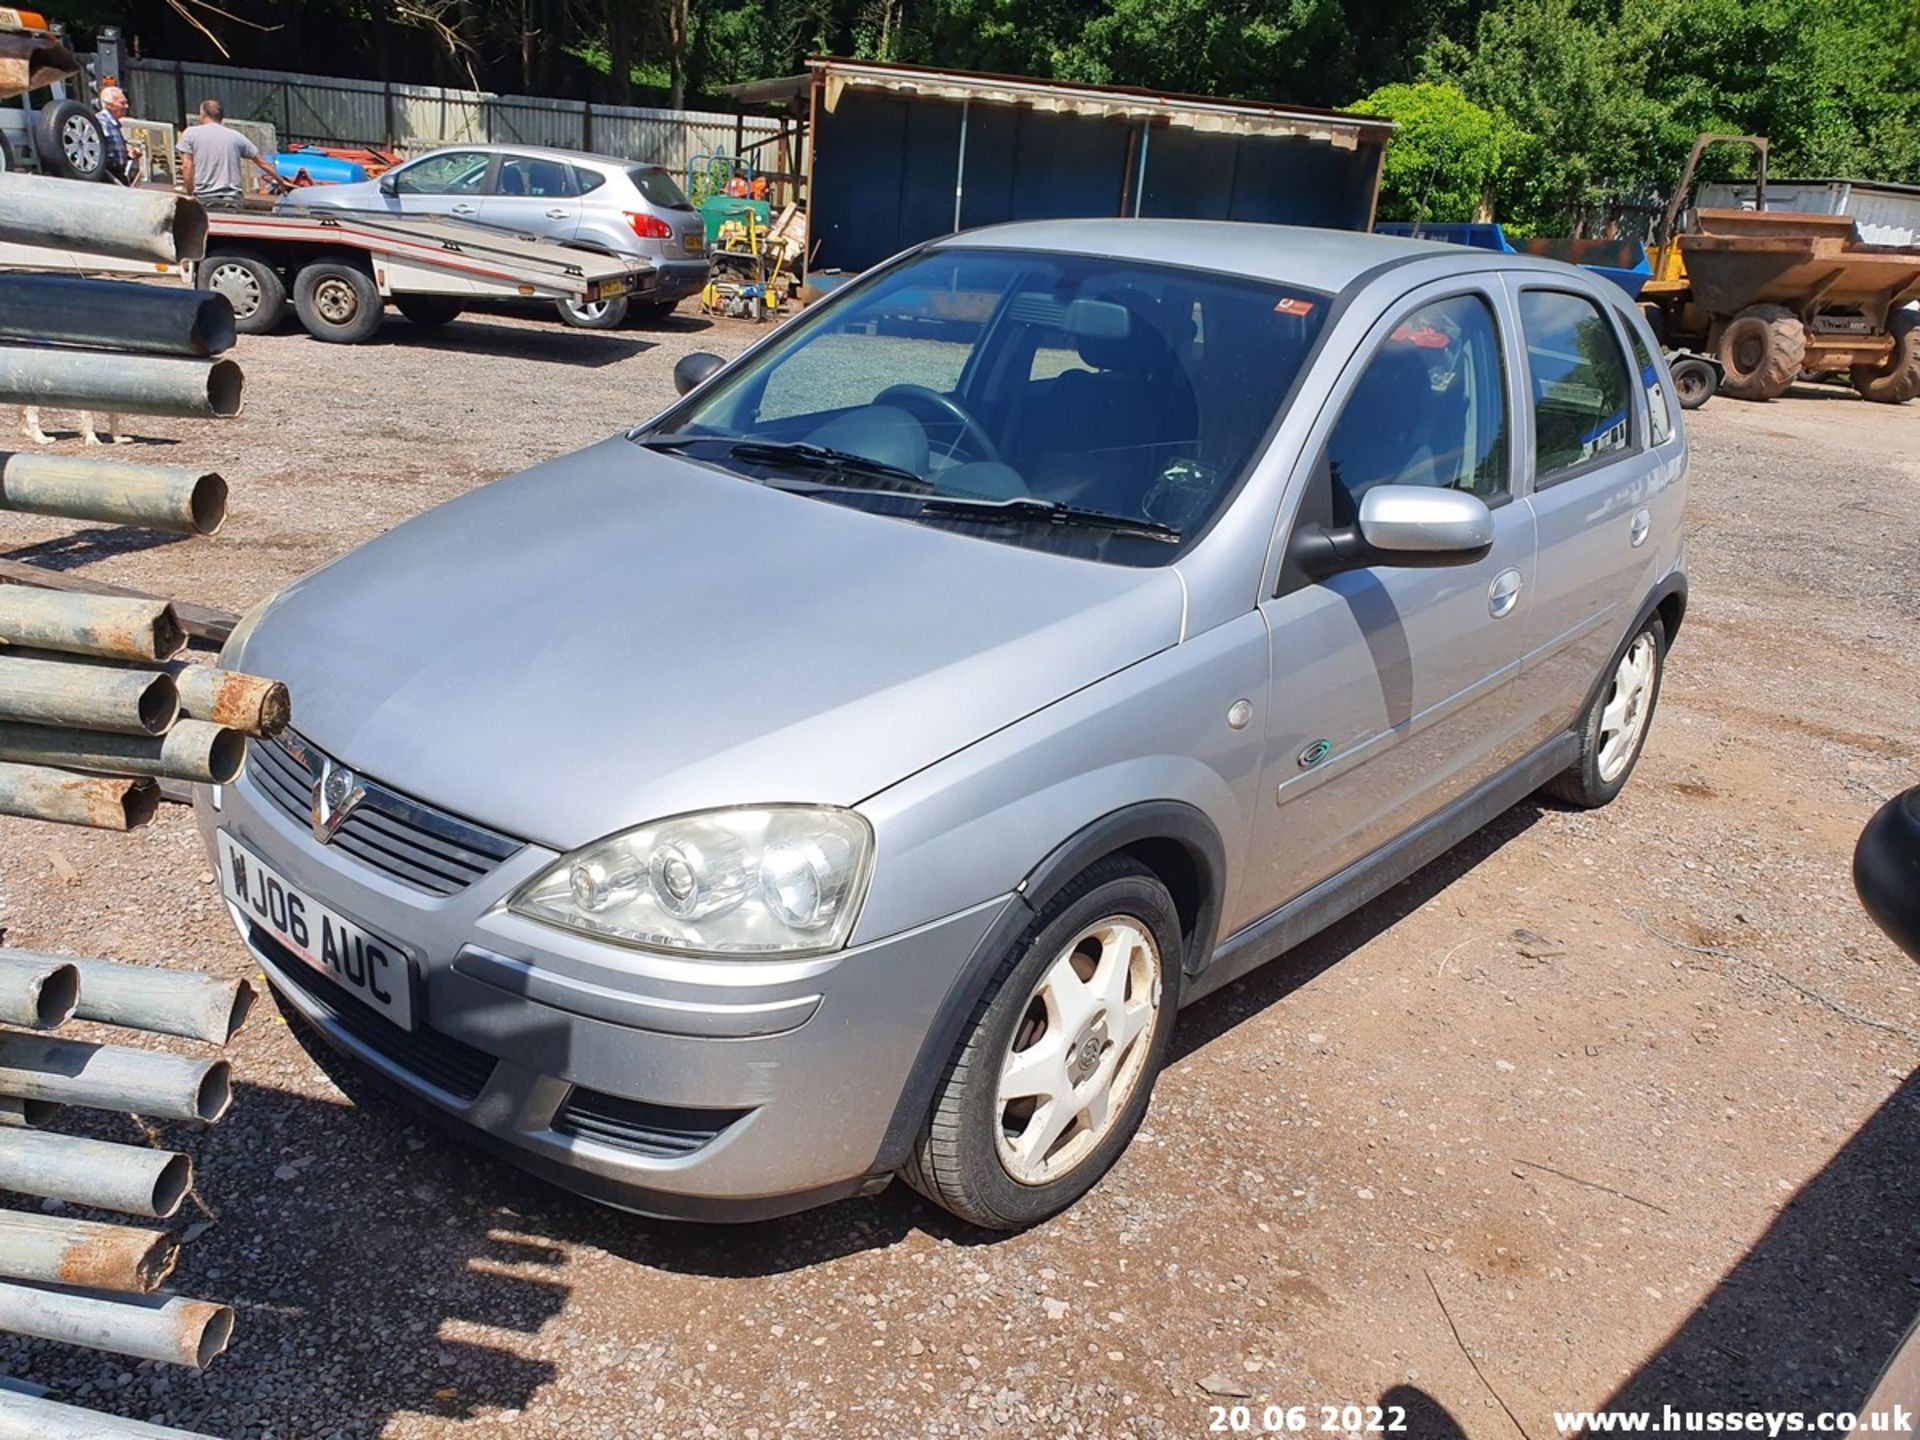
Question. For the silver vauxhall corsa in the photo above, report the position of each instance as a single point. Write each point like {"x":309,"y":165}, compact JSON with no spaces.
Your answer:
{"x":851,"y":771}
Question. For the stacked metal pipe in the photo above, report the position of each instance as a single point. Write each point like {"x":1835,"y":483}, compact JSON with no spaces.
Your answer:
{"x":84,"y":1282}
{"x":95,"y":710}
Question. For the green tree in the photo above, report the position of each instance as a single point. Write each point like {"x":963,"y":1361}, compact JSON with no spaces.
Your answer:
{"x":1444,"y":159}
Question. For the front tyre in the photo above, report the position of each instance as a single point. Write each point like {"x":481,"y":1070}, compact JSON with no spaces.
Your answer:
{"x":1613,"y":731}
{"x":1054,"y":1071}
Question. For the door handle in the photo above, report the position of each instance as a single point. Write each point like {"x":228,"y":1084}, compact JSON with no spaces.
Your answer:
{"x":556,"y":214}
{"x":1503,"y":594}
{"x":463,"y":209}
{"x":1642,"y":525}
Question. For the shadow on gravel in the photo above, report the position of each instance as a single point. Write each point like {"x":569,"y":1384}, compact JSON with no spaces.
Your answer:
{"x":1207,"y":1020}
{"x":83,"y":547}
{"x":1426,"y":1418}
{"x":1815,"y":1309}
{"x":589,"y":348}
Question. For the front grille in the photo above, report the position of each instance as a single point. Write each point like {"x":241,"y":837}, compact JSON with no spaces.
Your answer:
{"x":439,"y":1060}
{"x":663,"y":1131}
{"x":401,"y":838}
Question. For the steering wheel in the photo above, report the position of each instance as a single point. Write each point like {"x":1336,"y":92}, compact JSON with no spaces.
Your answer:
{"x":917,"y":400}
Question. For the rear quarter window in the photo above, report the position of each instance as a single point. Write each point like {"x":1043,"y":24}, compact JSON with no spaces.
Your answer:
{"x":658,"y":188}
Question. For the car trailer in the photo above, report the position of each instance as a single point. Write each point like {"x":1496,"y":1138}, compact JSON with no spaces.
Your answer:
{"x":340,"y":269}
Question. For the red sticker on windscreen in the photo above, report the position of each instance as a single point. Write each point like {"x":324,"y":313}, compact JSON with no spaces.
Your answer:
{"x":1292,"y":306}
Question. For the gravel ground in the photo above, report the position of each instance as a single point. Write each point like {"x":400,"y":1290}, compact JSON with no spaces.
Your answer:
{"x":1611,"y":1104}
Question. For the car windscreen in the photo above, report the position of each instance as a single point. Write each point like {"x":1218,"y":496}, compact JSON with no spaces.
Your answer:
{"x":658,"y":187}
{"x":1054,"y":387}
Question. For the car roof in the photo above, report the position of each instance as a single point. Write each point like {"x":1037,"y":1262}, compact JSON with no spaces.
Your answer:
{"x":550,"y":152}
{"x":1325,"y":260}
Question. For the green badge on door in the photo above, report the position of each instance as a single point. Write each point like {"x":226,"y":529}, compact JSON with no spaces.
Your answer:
{"x":1315,"y":753}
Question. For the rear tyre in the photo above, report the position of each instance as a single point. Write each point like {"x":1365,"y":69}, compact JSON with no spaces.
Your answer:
{"x":1614,"y":729}
{"x":594,"y":314}
{"x":1897,"y":380}
{"x":70,"y":143}
{"x":1054,"y":1071}
{"x":429,"y":312}
{"x":1694,"y":382}
{"x":338,"y":303}
{"x":253,"y":288}
{"x":1763,"y":349}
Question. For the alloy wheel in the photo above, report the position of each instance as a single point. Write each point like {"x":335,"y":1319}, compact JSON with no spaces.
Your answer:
{"x":1623,"y":721}
{"x":80,"y":142}
{"x":1079,"y":1050}
{"x":239,"y":285}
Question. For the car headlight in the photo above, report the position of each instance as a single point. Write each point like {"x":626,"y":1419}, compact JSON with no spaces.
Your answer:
{"x":776,"y":880}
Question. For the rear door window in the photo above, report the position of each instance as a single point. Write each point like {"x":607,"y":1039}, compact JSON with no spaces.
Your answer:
{"x":534,"y":178}
{"x":1582,"y":394}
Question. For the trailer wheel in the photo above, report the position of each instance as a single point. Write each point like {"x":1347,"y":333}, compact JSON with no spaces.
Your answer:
{"x":429,"y":312}
{"x":1898,"y":380}
{"x":70,"y":142}
{"x":1694,"y":382}
{"x":593,"y":314}
{"x":252,"y":286}
{"x":1763,"y":349}
{"x":338,"y":303}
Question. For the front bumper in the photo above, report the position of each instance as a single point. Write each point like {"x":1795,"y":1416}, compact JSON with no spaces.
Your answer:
{"x":675,"y":1087}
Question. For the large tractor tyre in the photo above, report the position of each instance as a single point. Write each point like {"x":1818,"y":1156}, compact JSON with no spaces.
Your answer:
{"x":252,"y":286}
{"x":429,"y":312}
{"x":338,"y":303}
{"x":1897,"y":379}
{"x":1763,"y":350}
{"x":70,"y":142}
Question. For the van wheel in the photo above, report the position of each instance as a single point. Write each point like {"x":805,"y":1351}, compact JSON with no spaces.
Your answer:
{"x":1614,"y":730}
{"x":338,"y":303}
{"x":1897,"y":379}
{"x":1762,"y":350}
{"x":1055,"y":1069}
{"x":593,"y":314}
{"x":253,"y":287}
{"x":70,"y":142}
{"x":429,"y":312}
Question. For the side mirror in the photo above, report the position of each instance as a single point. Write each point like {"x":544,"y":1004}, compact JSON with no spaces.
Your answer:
{"x":1402,"y":525}
{"x":389,"y":185}
{"x":1886,"y":870}
{"x":695,"y":370}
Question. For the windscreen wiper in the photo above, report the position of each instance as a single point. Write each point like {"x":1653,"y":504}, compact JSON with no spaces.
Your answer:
{"x":1048,"y":512}
{"x":803,"y":454}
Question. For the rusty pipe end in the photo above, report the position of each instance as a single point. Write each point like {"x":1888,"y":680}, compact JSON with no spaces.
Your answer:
{"x":169,"y":635}
{"x":170,"y":1186}
{"x":56,"y":997}
{"x":205,"y":1329}
{"x":215,"y":1093}
{"x":159,"y":704}
{"x":207,"y":505}
{"x":139,"y":803}
{"x":37,"y":1114}
{"x":224,"y":384}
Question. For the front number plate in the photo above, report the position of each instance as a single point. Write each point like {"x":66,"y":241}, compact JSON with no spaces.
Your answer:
{"x":374,"y":970}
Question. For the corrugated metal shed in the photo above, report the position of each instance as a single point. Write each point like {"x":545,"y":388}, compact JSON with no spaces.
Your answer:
{"x":902,"y":153}
{"x":1883,"y":212}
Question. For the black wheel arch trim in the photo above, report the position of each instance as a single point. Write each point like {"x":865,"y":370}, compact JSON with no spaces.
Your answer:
{"x":1670,"y":591}
{"x":1148,"y":822}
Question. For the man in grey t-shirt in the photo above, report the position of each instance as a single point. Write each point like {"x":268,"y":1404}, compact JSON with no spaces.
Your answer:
{"x":212,"y":158}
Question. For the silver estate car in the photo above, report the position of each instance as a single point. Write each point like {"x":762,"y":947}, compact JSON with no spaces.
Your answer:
{"x":851,"y":771}
{"x":613,"y":205}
